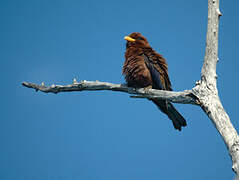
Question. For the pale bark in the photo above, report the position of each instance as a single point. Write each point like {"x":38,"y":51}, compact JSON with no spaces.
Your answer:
{"x":205,"y":92}
{"x":185,"y":97}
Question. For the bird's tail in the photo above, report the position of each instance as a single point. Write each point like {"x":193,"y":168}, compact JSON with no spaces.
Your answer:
{"x":168,"y":108}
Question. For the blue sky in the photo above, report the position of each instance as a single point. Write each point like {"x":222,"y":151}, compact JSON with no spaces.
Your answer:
{"x":107,"y":135}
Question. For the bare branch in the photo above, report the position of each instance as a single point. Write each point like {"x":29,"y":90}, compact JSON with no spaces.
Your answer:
{"x":211,"y":55}
{"x":185,"y":97}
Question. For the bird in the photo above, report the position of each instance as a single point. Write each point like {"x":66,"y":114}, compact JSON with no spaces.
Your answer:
{"x":145,"y":68}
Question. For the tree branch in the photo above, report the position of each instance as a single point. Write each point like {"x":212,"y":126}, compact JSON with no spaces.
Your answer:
{"x":185,"y":97}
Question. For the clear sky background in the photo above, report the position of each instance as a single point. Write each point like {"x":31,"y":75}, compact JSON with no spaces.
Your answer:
{"x":107,"y":135}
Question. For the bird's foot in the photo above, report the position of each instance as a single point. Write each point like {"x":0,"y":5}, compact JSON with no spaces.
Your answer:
{"x":146,"y":89}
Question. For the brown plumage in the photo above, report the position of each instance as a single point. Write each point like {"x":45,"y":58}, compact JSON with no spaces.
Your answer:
{"x":144,"y":67}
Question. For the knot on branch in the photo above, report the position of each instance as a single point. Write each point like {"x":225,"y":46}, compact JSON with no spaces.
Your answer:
{"x":235,"y":147}
{"x":234,"y":152}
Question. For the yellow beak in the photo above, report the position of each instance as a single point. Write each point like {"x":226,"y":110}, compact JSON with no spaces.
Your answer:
{"x":127,"y":38}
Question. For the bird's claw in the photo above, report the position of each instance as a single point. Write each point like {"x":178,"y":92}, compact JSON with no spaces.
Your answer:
{"x":146,"y":89}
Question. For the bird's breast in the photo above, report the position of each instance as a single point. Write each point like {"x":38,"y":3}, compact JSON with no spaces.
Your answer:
{"x":136,"y":72}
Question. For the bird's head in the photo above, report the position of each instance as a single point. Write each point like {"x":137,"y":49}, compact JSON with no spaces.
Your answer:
{"x":137,"y":40}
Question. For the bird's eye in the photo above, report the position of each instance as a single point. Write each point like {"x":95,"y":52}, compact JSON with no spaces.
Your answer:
{"x":140,"y":38}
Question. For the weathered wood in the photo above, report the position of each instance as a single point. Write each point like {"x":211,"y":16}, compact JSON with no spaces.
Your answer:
{"x":185,"y":97}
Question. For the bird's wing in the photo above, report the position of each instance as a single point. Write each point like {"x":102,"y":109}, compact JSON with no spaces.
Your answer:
{"x":155,"y":74}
